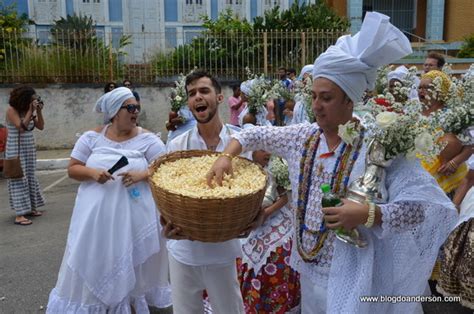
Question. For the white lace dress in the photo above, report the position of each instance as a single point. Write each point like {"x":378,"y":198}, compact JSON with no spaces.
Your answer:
{"x":114,"y":254}
{"x":401,"y":252}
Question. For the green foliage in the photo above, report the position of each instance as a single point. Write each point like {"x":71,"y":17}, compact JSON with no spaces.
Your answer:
{"x":301,"y":16}
{"x":12,"y":27}
{"x":467,"y":49}
{"x":9,"y":19}
{"x":49,"y":64}
{"x":229,"y":44}
{"x":74,"y":31}
{"x":75,"y":56}
{"x":226,"y":21}
{"x":224,"y":41}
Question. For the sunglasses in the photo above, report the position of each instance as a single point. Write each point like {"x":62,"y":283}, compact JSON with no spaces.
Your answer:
{"x":132,"y":108}
{"x":127,"y":85}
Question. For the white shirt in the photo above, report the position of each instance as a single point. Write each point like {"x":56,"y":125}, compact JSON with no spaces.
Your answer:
{"x":197,"y":253}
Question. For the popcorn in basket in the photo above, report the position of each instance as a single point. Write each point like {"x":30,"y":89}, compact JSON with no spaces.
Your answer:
{"x":206,"y":214}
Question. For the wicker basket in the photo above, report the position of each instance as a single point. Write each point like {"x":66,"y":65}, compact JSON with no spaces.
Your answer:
{"x":210,"y":219}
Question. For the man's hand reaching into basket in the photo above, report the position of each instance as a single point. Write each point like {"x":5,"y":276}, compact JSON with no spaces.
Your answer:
{"x":223,"y":164}
{"x":172,"y":232}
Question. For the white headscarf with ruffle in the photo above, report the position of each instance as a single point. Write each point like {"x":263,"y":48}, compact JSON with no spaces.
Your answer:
{"x":306,"y":69}
{"x":246,"y":86}
{"x":353,"y":61}
{"x":109,"y":104}
{"x":401,"y":74}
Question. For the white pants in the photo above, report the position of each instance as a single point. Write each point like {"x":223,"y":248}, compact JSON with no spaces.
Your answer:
{"x":313,"y":298}
{"x":220,"y":282}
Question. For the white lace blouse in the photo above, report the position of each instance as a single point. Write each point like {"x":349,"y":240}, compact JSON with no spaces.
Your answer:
{"x":401,"y":252}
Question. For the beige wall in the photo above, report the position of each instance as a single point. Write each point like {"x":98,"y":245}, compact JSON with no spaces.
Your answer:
{"x":340,"y":6}
{"x":458,"y":21}
{"x":68,"y":112}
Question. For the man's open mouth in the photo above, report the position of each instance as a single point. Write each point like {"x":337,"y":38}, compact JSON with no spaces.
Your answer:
{"x":201,"y":108}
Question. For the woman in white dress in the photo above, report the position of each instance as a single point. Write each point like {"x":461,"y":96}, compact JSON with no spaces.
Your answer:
{"x":115,"y":258}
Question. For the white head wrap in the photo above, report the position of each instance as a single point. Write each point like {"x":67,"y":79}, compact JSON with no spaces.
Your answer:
{"x":306,"y":69}
{"x":109,"y":104}
{"x":352,"y":63}
{"x":245,"y":86}
{"x":401,"y":73}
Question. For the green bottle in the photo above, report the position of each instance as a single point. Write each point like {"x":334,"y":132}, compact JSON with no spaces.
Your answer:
{"x":329,"y":199}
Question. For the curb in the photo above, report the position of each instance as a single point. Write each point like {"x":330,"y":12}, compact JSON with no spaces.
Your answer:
{"x":52,"y":164}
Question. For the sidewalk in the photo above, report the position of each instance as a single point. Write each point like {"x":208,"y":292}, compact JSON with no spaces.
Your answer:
{"x":52,"y":159}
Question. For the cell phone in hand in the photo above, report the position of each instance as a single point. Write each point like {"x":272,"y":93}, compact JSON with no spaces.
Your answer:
{"x":122,"y":162}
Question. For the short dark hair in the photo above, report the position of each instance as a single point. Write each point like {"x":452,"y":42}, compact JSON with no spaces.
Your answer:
{"x":282,"y":68}
{"x":126,"y":80}
{"x":291,"y":70}
{"x":107,"y":87}
{"x":438,"y":57}
{"x":235,"y":86}
{"x":197,"y":74}
{"x":21,"y":97}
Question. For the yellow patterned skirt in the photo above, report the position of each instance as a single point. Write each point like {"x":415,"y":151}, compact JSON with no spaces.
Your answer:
{"x":447,"y":183}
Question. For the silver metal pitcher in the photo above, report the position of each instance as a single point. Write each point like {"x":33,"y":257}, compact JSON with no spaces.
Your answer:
{"x":371,"y":185}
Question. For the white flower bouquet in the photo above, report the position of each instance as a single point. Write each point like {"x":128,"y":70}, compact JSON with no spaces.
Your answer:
{"x":260,"y":92}
{"x":279,"y":91}
{"x":401,"y":129}
{"x":278,"y":167}
{"x":178,"y":97}
{"x":302,"y":90}
{"x":457,"y":116}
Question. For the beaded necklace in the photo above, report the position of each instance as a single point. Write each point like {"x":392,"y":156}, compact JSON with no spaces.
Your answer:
{"x":346,"y":158}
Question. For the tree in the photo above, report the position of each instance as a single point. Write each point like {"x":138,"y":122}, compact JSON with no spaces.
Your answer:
{"x":467,"y":48}
{"x":75,"y":31}
{"x":301,"y":16}
{"x":229,"y":44}
{"x":12,"y":27}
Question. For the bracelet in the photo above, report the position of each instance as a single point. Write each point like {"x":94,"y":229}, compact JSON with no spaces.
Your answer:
{"x":227,"y":155}
{"x":453,"y":164}
{"x":371,"y":217}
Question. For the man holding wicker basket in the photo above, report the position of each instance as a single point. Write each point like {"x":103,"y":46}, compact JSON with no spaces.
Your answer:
{"x":196,"y":266}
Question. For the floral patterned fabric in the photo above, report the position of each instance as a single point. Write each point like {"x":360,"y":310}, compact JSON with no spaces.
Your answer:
{"x":276,"y":287}
{"x":457,"y":267}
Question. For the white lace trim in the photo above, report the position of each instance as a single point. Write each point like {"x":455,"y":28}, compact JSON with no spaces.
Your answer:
{"x":158,"y":297}
{"x":261,"y":242}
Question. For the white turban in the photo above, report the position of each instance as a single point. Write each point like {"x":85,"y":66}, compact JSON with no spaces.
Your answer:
{"x":399,"y":73}
{"x":109,"y":104}
{"x":402,"y":74}
{"x":306,"y":69}
{"x":352,"y":63}
{"x":246,"y":86}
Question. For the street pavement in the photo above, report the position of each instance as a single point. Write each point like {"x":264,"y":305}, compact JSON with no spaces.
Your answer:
{"x":30,"y":256}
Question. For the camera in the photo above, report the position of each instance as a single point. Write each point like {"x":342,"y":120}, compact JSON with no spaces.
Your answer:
{"x":40,"y":102}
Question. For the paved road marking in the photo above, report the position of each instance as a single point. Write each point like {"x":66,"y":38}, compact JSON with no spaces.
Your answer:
{"x":52,"y":185}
